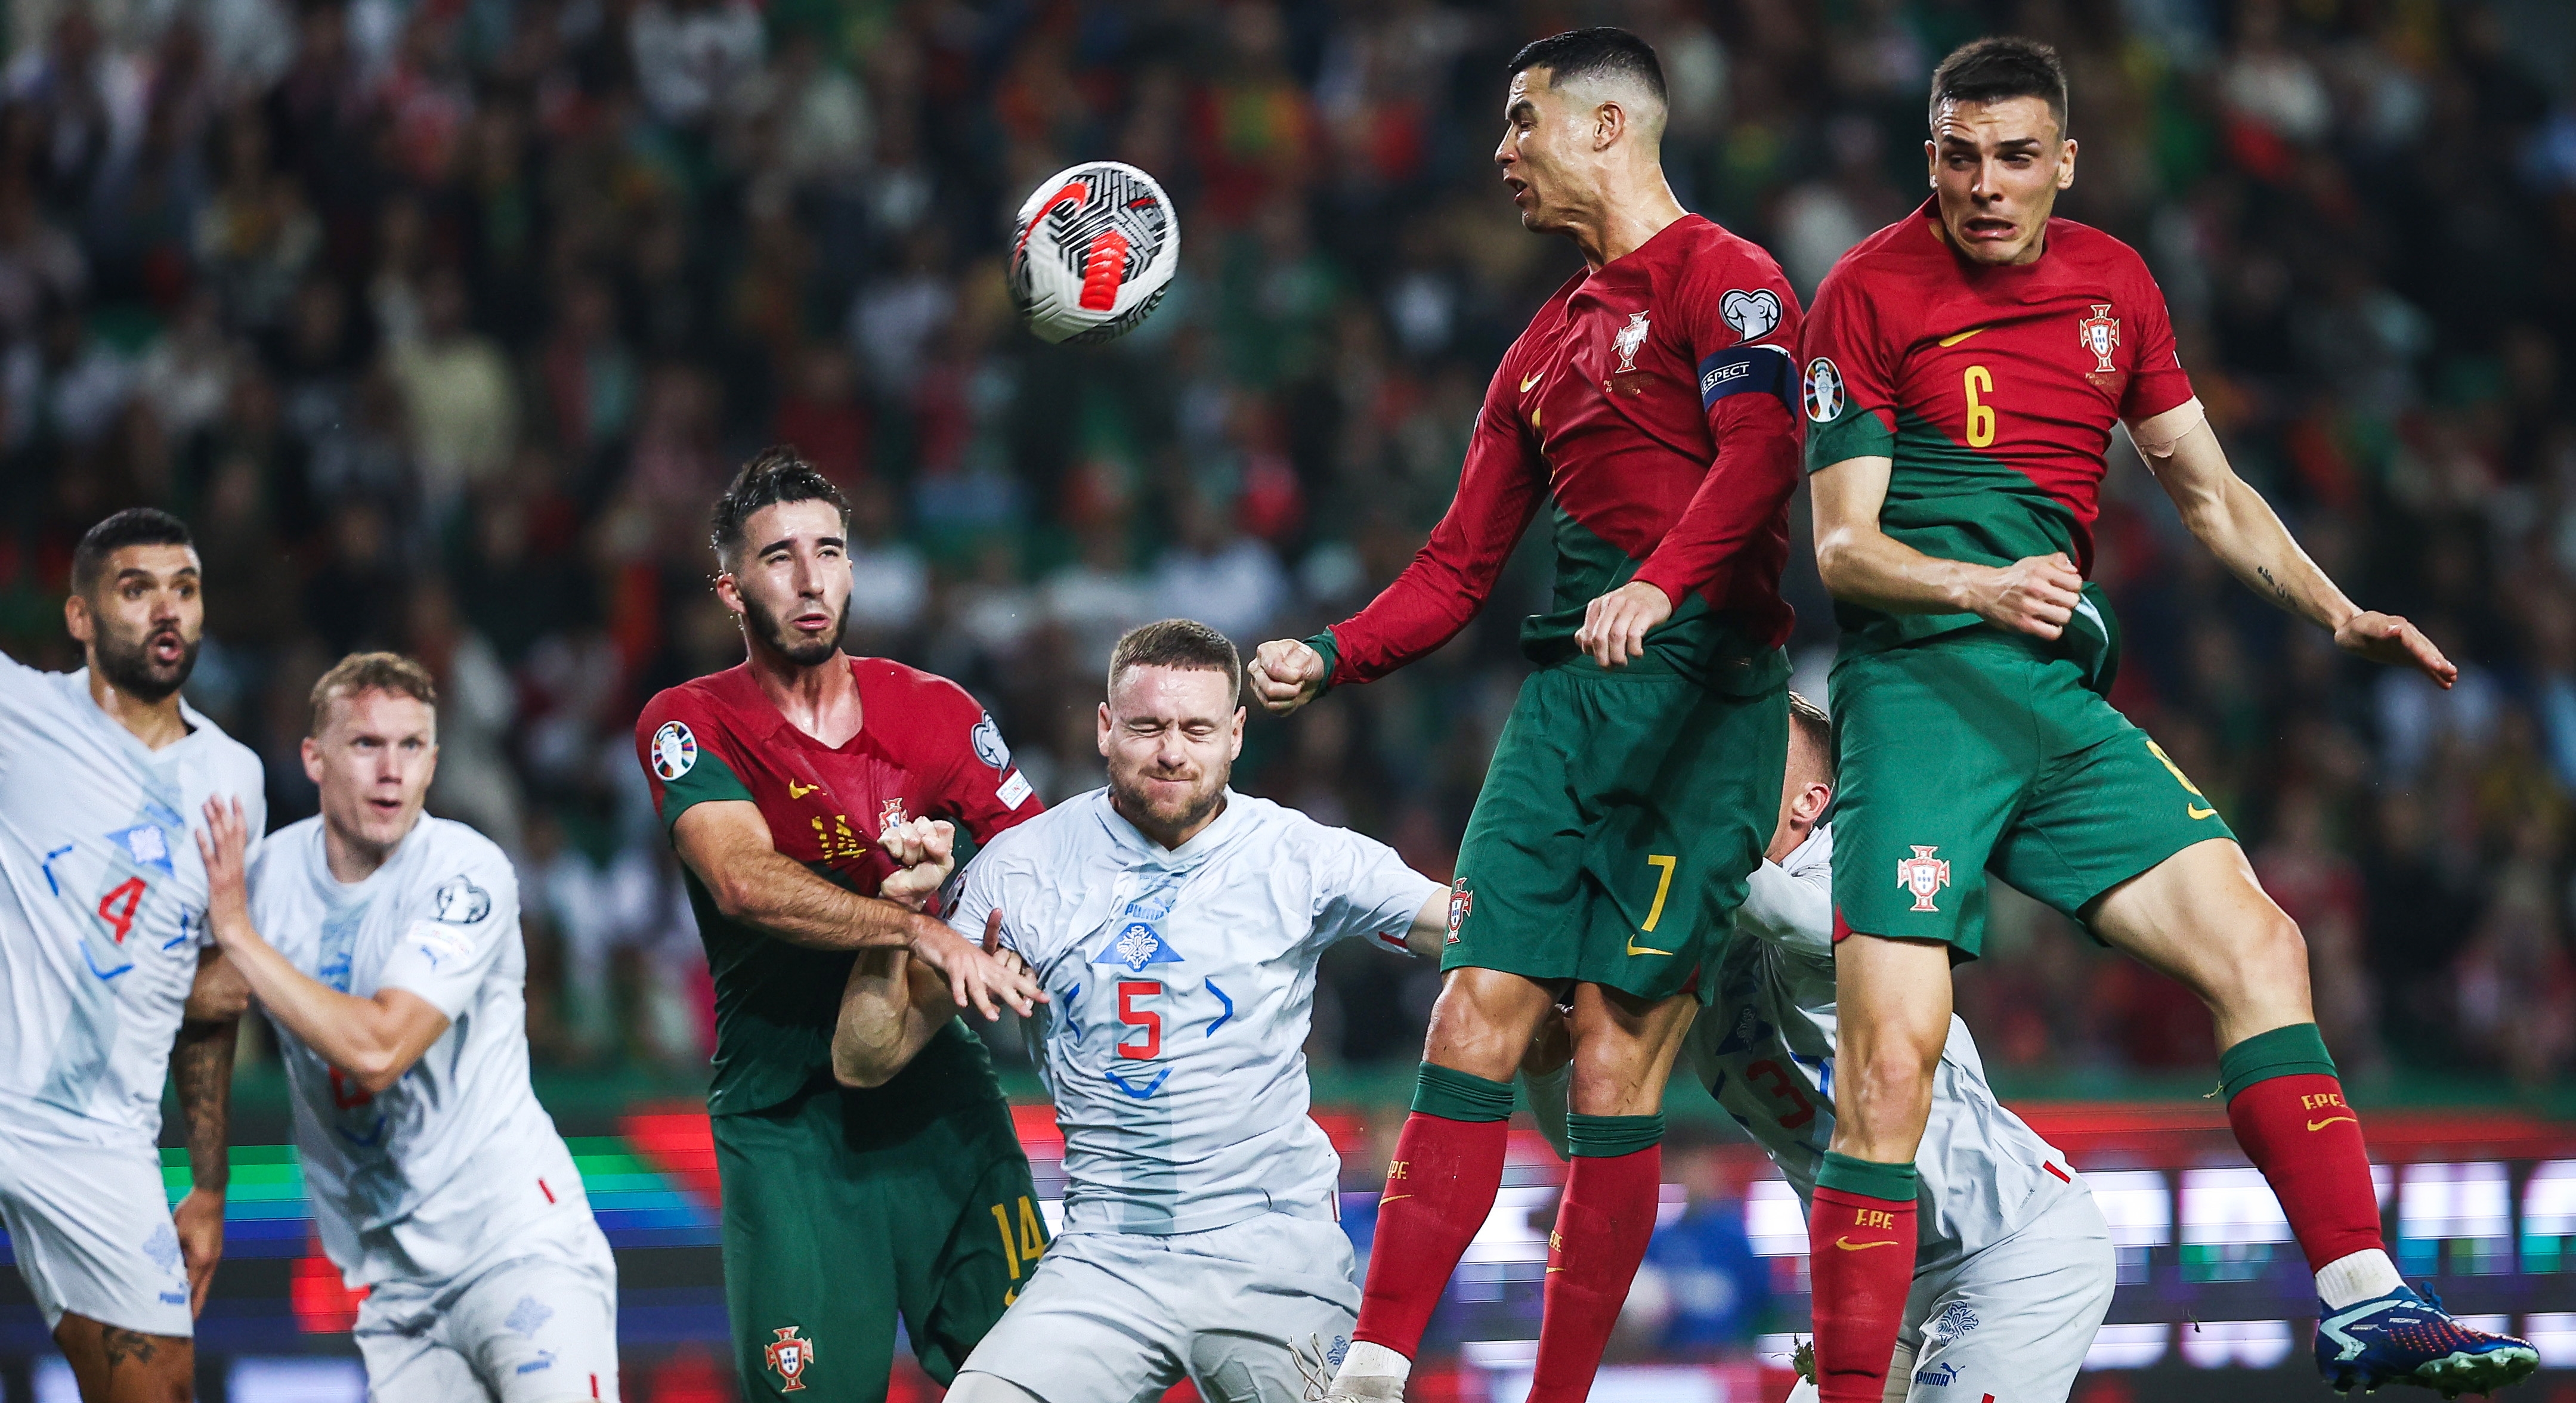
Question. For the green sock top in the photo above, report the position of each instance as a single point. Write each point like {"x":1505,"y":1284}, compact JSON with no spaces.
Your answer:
{"x":2295,"y":1051}
{"x":1608,"y":1137}
{"x":1454,"y":1095}
{"x":1894,"y":1183}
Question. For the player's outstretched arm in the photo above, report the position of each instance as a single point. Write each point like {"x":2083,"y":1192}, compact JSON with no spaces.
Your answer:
{"x":373,"y":1040}
{"x":2227,"y":515}
{"x":726,"y":843}
{"x":891,"y":1008}
{"x":1429,"y":932}
{"x":1864,"y":565}
{"x":201,"y":1075}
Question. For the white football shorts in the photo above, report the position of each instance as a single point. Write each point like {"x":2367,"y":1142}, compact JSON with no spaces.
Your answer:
{"x":2014,"y":1321}
{"x":1255,"y":1312}
{"x":537,"y":1327}
{"x":90,"y":1226}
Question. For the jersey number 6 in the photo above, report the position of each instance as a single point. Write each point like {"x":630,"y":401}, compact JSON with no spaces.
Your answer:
{"x":1144,"y":1018}
{"x":1981,"y":416}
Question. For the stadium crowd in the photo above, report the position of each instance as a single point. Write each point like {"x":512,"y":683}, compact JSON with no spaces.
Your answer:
{"x":443,"y":321}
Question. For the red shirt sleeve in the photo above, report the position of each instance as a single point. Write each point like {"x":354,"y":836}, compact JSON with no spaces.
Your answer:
{"x":684,"y":746}
{"x":981,"y":788}
{"x":1741,"y":338}
{"x":2157,"y":381}
{"x":1848,"y":391}
{"x":1453,"y":574}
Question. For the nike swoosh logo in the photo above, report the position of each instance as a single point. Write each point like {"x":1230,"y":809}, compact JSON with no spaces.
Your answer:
{"x":1962,"y":336}
{"x":1551,"y":1271}
{"x":1390,"y":1198}
{"x":1636,"y":949}
{"x":799,"y":791}
{"x":2196,"y":811}
{"x":2322,"y":1124}
{"x":1525,"y":384}
{"x":1850,"y":1246}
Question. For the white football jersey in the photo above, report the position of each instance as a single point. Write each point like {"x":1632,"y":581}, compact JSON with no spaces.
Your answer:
{"x":105,"y":905}
{"x":1183,"y":983}
{"x":419,"y":1180}
{"x":1765,"y":1050}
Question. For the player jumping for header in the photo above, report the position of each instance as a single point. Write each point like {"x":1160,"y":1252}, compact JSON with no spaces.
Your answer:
{"x":107,"y":978}
{"x":1176,"y":924}
{"x":2015,"y":1268}
{"x":783,"y":782}
{"x":383,"y":944}
{"x":1650,"y":405}
{"x":1964,"y":369}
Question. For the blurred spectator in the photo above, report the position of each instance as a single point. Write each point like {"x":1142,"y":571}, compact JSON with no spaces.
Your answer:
{"x":460,"y":408}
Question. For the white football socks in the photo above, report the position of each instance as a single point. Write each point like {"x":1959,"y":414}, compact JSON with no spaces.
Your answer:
{"x":2345,"y":1281}
{"x":1368,"y":1360}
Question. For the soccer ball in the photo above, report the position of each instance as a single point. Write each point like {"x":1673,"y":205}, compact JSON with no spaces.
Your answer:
{"x":1094,"y":249}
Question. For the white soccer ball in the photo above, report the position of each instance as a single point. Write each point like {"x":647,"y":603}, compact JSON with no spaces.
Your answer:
{"x":1093,"y":251}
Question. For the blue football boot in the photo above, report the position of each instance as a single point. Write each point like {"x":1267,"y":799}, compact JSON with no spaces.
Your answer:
{"x":2401,"y":1338}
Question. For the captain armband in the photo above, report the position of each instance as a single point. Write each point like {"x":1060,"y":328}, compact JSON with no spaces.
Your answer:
{"x":2158,"y":437}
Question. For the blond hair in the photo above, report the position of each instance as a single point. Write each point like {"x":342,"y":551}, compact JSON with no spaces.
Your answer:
{"x":371,"y":672}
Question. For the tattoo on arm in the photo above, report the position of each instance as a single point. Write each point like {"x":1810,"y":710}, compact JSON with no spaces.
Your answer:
{"x":2280,"y":592}
{"x":121,"y":1344}
{"x":201,"y":1067}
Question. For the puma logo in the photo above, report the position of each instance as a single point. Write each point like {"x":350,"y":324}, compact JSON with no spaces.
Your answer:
{"x":799,"y":791}
{"x":1848,"y":1245}
{"x":1528,"y":381}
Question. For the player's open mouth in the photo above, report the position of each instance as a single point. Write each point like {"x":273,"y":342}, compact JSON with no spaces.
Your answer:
{"x":166,"y":647}
{"x":1989,"y":230}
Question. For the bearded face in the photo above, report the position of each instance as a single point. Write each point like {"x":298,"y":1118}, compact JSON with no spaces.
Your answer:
{"x":146,"y":620}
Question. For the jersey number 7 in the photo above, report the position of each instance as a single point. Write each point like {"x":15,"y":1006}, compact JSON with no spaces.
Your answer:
{"x":1144,"y":1018}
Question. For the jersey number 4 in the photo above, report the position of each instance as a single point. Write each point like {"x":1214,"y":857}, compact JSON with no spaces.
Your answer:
{"x":118,"y":906}
{"x":1130,"y":990}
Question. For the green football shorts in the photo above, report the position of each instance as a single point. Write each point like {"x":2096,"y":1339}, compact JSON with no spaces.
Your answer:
{"x":1979,"y":751}
{"x":837,"y":1220}
{"x":1619,"y":821}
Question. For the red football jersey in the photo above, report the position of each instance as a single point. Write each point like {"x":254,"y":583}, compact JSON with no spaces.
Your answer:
{"x":1993,"y":390}
{"x":924,"y":749}
{"x":1650,"y":402}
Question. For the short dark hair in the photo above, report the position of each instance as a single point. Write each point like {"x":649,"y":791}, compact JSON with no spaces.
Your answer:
{"x":1819,"y":728}
{"x":775,"y":474}
{"x":371,"y":672}
{"x":1602,"y":51}
{"x":134,"y":526}
{"x":1182,"y":643}
{"x":1999,"y":67}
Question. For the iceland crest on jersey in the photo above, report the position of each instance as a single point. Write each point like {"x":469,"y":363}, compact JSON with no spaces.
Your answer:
{"x":1137,"y":945}
{"x":1139,"y":939}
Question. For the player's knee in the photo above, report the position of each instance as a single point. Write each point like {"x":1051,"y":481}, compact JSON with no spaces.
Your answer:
{"x":2268,"y":957}
{"x":1886,"y":1094}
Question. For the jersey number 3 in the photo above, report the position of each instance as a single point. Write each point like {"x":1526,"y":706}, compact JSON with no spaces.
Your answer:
{"x":1145,"y":1018}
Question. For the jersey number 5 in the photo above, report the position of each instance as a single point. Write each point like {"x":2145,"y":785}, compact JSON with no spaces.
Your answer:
{"x":1145,"y":1018}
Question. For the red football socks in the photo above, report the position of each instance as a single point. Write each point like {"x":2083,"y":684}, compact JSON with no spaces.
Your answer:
{"x":1602,"y":1225}
{"x":1439,"y":1191}
{"x":1861,"y":1260}
{"x":2308,"y":1144}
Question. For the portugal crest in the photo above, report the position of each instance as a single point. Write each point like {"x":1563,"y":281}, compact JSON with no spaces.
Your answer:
{"x":790,"y":1356}
{"x":1923,"y":874}
{"x":1461,"y":902}
{"x":1629,"y":341}
{"x":2101,"y":336}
